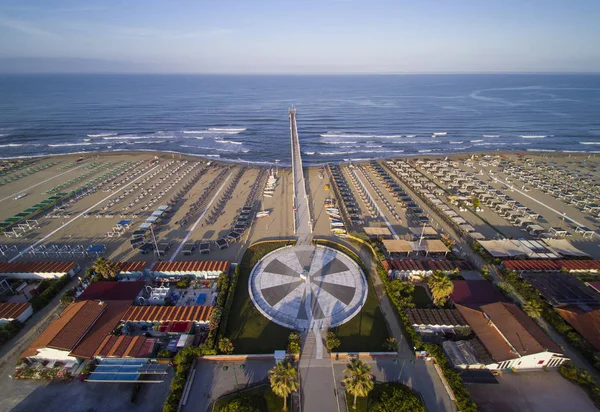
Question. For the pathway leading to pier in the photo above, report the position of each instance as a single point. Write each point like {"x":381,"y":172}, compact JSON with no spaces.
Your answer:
{"x":302,"y":220}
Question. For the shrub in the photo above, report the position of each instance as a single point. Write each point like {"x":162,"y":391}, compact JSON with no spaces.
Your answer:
{"x":390,"y":344}
{"x":9,"y":331}
{"x":294,"y":343}
{"x":582,"y":378}
{"x":183,"y":361}
{"x":47,"y":290}
{"x":391,"y":396}
{"x":332,"y":342}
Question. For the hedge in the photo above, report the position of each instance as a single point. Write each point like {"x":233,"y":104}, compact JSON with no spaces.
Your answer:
{"x":9,"y":331}
{"x":183,"y":362}
{"x":582,"y":378}
{"x":228,"y":302}
{"x":47,"y":290}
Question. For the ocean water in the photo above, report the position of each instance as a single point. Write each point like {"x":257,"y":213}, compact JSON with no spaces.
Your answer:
{"x":340,"y":118}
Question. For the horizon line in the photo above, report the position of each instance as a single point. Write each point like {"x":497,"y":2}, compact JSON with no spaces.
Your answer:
{"x":300,"y":73}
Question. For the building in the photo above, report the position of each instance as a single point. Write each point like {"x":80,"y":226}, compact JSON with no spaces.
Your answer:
{"x":84,"y":325}
{"x":432,"y":321}
{"x":38,"y":270}
{"x":475,"y":292}
{"x":59,"y":339}
{"x":586,"y":323}
{"x":131,"y":270}
{"x":198,"y":269}
{"x":14,"y":311}
{"x":512,"y":339}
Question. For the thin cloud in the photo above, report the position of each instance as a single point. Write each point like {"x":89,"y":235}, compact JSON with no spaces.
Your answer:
{"x":144,"y":33}
{"x":26,"y":28}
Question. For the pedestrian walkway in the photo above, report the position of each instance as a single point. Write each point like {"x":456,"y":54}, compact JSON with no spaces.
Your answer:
{"x":302,"y":220}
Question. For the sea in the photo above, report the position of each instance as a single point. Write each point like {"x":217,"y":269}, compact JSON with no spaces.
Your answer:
{"x":340,"y":117}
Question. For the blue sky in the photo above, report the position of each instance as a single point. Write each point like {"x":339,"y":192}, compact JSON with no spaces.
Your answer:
{"x":302,"y":36}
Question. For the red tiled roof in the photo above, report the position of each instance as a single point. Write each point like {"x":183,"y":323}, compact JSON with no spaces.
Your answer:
{"x":120,"y":346}
{"x":506,"y":322}
{"x":551,"y":265}
{"x":176,"y":327}
{"x":12,"y":310}
{"x":475,"y":292}
{"x":36,"y":267}
{"x":586,"y":323}
{"x":191,"y":266}
{"x":112,"y":291}
{"x":167,"y":314}
{"x":74,"y":321}
{"x":103,"y":327}
{"x":132,"y":266}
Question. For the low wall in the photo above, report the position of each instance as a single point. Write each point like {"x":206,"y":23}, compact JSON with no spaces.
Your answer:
{"x":362,"y":355}
{"x":230,"y":358}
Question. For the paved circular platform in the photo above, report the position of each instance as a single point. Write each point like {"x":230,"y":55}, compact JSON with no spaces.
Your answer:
{"x":302,"y":287}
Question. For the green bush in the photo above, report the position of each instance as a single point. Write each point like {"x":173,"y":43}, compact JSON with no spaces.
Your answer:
{"x":391,"y":396}
{"x":294,"y":341}
{"x":47,"y":290}
{"x":582,"y":378}
{"x":9,"y":331}
{"x":183,"y":362}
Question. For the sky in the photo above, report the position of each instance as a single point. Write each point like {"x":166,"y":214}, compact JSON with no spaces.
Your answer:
{"x":302,"y":36}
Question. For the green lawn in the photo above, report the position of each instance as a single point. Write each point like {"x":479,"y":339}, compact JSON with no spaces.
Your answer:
{"x":248,"y":329}
{"x":365,"y":332}
{"x":261,"y":398}
{"x":421,"y":298}
{"x":361,"y":403}
{"x":251,"y":332}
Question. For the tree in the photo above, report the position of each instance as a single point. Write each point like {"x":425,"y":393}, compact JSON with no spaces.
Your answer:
{"x":332,"y":342}
{"x":476,"y":202}
{"x":403,"y":291}
{"x":106,"y":269}
{"x":392,"y":396}
{"x":533,"y":308}
{"x":225,"y":346}
{"x":440,"y":286}
{"x":358,"y":379}
{"x":215,"y":318}
{"x":284,"y":380}
{"x":390,"y":344}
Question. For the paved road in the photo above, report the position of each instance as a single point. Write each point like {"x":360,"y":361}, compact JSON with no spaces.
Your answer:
{"x":301,"y":204}
{"x":211,"y":381}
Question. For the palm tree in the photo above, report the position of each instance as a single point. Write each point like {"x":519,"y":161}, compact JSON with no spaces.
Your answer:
{"x":358,"y":380}
{"x":533,"y":308}
{"x":106,"y":269}
{"x":284,"y":380}
{"x":225,"y":346}
{"x":441,"y":287}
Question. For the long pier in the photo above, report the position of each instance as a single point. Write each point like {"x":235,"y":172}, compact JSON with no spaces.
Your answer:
{"x":302,"y":219}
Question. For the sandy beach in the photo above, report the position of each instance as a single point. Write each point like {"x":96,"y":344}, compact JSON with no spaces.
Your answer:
{"x":74,"y":230}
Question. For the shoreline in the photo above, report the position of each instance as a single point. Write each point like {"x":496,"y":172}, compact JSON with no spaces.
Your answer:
{"x":188,"y":156}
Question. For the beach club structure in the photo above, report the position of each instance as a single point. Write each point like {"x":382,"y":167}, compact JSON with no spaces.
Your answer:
{"x":510,"y":337}
{"x":198,"y":269}
{"x":14,"y":311}
{"x":90,"y":327}
{"x":38,"y":270}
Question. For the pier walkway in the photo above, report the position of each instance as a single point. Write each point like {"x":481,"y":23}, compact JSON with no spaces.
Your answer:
{"x":302,"y":219}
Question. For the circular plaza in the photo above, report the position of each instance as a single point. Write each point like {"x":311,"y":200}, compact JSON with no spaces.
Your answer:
{"x":303,"y":287}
